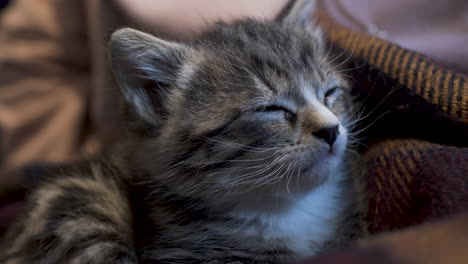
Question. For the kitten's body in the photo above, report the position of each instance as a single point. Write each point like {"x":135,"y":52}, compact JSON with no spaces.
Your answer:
{"x":239,"y":157}
{"x":302,"y":227}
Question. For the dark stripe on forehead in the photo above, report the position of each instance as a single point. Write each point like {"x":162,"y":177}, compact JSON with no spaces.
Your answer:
{"x":306,"y":54}
{"x":296,"y":95}
{"x":262,"y":66}
{"x":252,"y":33}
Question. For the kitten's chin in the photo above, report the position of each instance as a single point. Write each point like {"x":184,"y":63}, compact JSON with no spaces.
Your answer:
{"x":318,"y":174}
{"x":328,"y":167}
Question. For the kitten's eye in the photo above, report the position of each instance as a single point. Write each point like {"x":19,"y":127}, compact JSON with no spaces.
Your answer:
{"x":330,"y":92}
{"x":272,"y":108}
{"x":288,"y":114}
{"x":331,"y":96}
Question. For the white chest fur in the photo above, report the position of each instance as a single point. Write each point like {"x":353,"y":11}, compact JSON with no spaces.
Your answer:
{"x":305,"y":225}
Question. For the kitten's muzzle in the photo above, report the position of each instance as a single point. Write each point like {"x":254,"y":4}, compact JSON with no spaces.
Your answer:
{"x":328,"y":134}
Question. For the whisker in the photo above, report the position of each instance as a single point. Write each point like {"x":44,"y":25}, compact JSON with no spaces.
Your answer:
{"x":373,"y":122}
{"x":288,"y":177}
{"x":345,"y":50}
{"x":373,"y":110}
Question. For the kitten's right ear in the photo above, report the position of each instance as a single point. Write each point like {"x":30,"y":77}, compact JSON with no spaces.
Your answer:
{"x":297,"y":12}
{"x":145,"y":68}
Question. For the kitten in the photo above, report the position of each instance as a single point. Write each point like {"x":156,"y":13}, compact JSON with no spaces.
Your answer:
{"x":238,"y":156}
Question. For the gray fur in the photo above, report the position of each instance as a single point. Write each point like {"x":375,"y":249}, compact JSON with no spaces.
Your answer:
{"x":224,"y":141}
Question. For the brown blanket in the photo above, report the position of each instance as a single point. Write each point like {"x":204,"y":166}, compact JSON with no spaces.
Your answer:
{"x":416,"y":154}
{"x":58,"y":103}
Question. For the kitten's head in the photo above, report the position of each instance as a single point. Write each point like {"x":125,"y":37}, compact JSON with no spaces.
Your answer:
{"x":247,"y":106}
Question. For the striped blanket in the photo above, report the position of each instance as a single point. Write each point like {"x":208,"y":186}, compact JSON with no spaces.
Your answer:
{"x":416,"y":151}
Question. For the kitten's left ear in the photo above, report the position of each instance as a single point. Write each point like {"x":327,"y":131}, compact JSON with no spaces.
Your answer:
{"x":297,"y":12}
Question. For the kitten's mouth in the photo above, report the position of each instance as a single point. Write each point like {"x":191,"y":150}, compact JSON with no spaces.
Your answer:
{"x":324,"y":159}
{"x":333,"y":150}
{"x":338,"y":147}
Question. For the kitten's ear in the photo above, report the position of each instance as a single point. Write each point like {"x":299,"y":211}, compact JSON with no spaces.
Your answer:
{"x":297,"y":12}
{"x":145,"y":68}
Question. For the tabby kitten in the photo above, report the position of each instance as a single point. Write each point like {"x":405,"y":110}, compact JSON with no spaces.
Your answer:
{"x":238,"y":156}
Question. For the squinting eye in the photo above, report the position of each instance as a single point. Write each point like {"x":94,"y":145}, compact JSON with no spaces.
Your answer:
{"x":330,"y":92}
{"x":272,"y":108}
{"x":288,"y":114}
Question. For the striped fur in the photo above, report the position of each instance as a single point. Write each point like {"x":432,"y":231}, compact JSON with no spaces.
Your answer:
{"x":228,"y":164}
{"x":82,"y":216}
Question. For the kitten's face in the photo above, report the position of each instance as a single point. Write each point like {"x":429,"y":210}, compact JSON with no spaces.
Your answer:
{"x":250,"y":106}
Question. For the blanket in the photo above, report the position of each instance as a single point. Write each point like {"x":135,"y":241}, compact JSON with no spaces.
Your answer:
{"x":415,"y":151}
{"x":416,"y":145}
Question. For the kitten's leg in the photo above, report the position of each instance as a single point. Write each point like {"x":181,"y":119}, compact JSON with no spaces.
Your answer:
{"x":76,"y":219}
